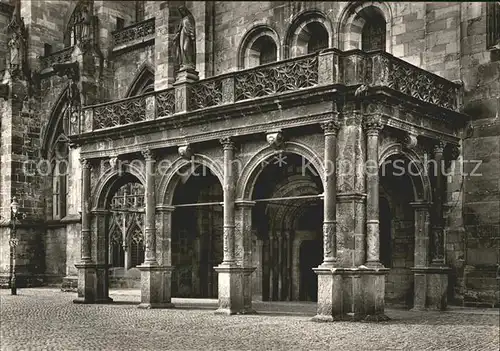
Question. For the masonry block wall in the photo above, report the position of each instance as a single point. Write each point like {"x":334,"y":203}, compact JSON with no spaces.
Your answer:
{"x":446,"y":38}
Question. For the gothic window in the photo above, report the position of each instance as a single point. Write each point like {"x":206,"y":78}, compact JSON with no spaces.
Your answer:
{"x":373,"y":33}
{"x":308,"y":33}
{"x":59,"y":177}
{"x":139,"y":11}
{"x":267,"y":50}
{"x":143,"y":83}
{"x":73,"y":27}
{"x":493,"y":25}
{"x":127,"y":226}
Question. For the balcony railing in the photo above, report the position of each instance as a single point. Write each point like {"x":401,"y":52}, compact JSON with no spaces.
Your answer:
{"x":350,"y":68}
{"x":60,"y":56}
{"x":133,"y":32}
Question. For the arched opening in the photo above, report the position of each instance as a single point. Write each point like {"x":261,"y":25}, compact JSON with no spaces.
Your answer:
{"x":365,"y":26}
{"x":126,"y":231}
{"x":373,"y":35}
{"x":397,"y":228}
{"x":308,"y":33}
{"x":143,"y":83}
{"x":317,"y":37}
{"x":260,"y":46}
{"x":287,"y":220}
{"x":197,"y":227}
{"x":74,"y":26}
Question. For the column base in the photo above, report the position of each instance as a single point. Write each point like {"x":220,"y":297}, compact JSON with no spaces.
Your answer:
{"x":155,"y":286}
{"x":230,"y":289}
{"x":92,"y":283}
{"x":247,"y":291}
{"x":352,"y":294}
{"x":430,"y":288}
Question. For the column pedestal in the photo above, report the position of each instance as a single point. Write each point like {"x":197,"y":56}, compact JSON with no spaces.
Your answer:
{"x":91,"y":283}
{"x":351,"y":294}
{"x":431,"y":288}
{"x":230,"y":289}
{"x":247,"y":291}
{"x":155,"y":286}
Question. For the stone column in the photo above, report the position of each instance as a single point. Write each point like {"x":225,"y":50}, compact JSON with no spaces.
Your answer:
{"x":437,"y":226}
{"x":373,"y":126}
{"x":152,"y":274}
{"x":87,"y":279}
{"x":330,"y":194}
{"x":150,"y":209}
{"x":100,"y":248}
{"x":230,"y":273}
{"x":244,"y":251}
{"x":421,"y":258}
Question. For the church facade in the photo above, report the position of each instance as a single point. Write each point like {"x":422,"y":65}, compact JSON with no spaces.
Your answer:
{"x":339,"y":152}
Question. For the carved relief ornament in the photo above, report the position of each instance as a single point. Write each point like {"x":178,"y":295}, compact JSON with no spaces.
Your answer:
{"x":185,"y":151}
{"x":275,"y":139}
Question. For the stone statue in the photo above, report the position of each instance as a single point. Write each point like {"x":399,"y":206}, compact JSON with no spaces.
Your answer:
{"x":17,"y":42}
{"x":185,"y":40}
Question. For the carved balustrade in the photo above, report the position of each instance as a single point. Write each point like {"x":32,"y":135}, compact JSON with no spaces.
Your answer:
{"x":408,"y":79}
{"x":165,"y":102}
{"x":278,"y":77}
{"x":133,"y":32}
{"x":117,"y":113}
{"x":60,"y":56}
{"x":331,"y":66}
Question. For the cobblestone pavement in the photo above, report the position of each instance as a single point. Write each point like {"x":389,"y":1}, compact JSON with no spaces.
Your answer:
{"x":46,"y":319}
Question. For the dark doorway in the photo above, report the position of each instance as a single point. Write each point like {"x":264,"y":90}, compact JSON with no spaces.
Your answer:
{"x":311,"y":256}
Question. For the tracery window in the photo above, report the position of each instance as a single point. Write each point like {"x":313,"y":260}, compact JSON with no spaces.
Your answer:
{"x":143,"y":83}
{"x":373,"y":36}
{"x":60,"y":151}
{"x":73,"y":28}
{"x":126,"y":229}
{"x":493,"y":25}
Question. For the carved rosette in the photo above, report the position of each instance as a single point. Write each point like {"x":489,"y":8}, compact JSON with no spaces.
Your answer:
{"x":185,"y":151}
{"x":275,"y":139}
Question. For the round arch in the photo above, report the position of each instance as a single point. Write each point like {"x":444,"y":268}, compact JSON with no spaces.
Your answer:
{"x":180,"y":169}
{"x":253,"y":34}
{"x":252,"y":170}
{"x":109,"y":180}
{"x":351,"y":22}
{"x":421,"y":182}
{"x":298,"y":26}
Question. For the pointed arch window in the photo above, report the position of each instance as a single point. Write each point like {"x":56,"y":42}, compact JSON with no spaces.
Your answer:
{"x":493,"y":25}
{"x":143,"y":83}
{"x":60,"y":169}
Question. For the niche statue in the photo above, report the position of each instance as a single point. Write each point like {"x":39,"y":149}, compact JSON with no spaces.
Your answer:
{"x":185,"y":41}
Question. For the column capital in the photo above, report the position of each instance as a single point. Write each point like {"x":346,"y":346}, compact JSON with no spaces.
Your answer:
{"x":227,"y":143}
{"x":148,"y":155}
{"x":85,"y":162}
{"x":373,"y":124}
{"x":330,"y":127}
{"x":439,"y":147}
